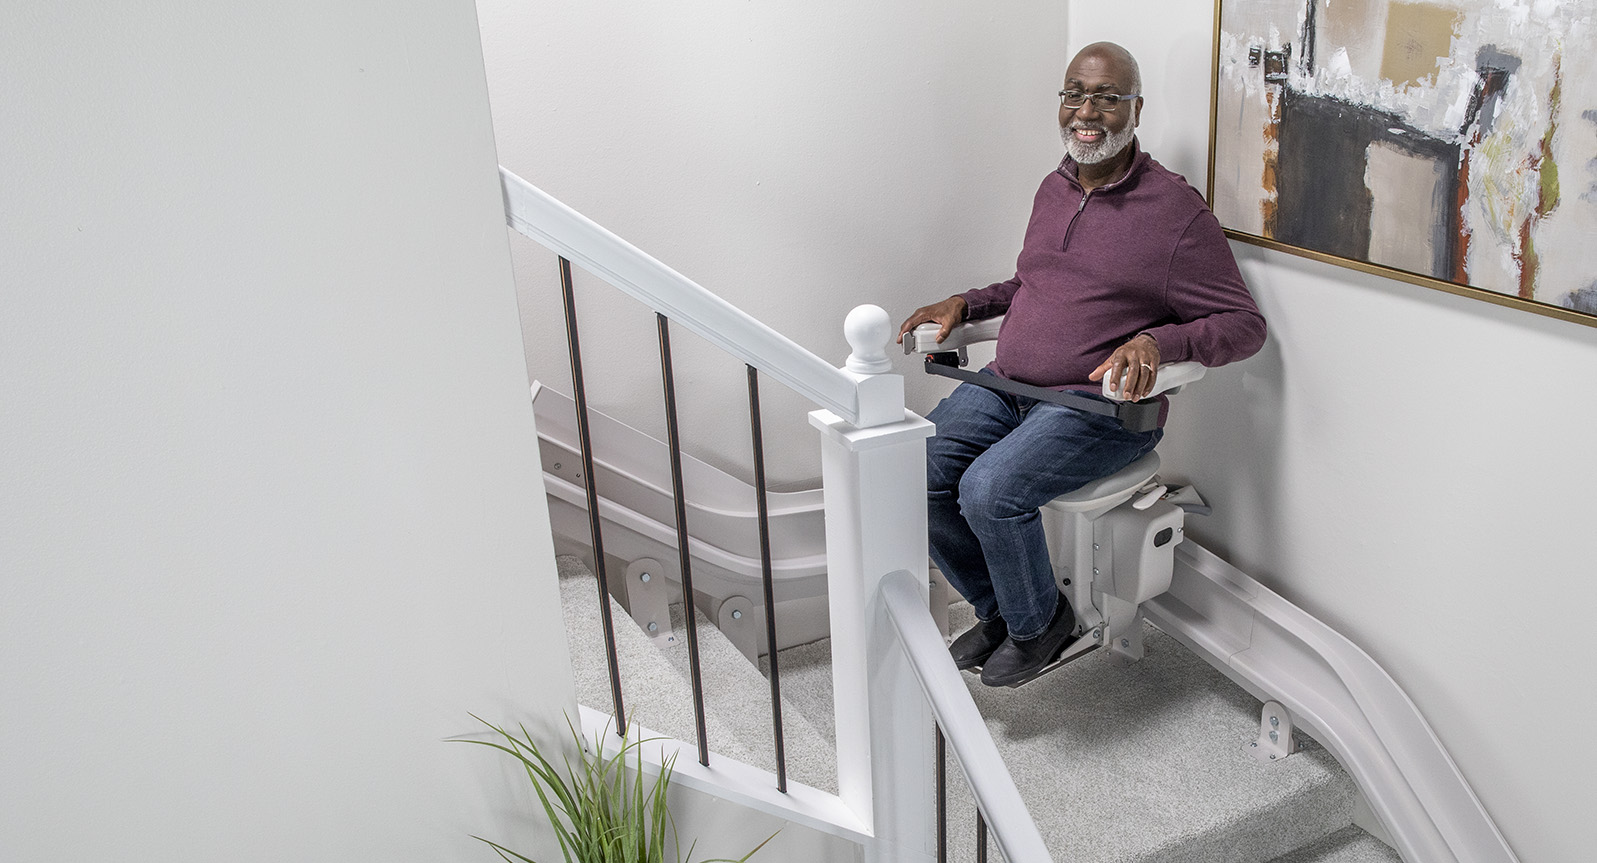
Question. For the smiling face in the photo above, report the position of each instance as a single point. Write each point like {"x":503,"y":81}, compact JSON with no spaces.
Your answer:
{"x":1092,"y":136}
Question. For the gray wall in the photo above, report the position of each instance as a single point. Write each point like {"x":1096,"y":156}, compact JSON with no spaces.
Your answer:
{"x":271,"y":521}
{"x":795,"y":158}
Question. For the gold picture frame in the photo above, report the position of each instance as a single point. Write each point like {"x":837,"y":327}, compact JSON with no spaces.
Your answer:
{"x":1444,"y":144}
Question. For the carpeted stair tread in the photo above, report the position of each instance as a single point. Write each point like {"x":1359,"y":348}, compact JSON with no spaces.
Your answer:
{"x":739,"y":694}
{"x":657,"y":693}
{"x":807,"y":686}
{"x":654,"y":694}
{"x":1144,"y":763}
{"x":1117,"y":765}
{"x":1348,"y":845}
{"x":1147,"y":763}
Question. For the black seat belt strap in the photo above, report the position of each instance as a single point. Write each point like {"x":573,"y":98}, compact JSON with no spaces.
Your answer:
{"x":1140,"y":416}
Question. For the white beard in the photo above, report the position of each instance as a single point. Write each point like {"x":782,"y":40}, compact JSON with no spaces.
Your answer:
{"x":1105,"y":149}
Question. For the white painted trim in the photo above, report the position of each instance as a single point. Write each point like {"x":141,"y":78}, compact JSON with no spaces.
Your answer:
{"x":885,"y":747}
{"x":731,"y":780}
{"x":1013,"y":830}
{"x":1341,"y":697}
{"x":568,"y":233}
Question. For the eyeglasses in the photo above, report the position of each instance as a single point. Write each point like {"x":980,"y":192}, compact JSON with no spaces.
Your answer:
{"x":1105,"y":102}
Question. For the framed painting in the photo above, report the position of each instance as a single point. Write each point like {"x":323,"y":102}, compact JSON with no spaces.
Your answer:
{"x":1448,"y":143}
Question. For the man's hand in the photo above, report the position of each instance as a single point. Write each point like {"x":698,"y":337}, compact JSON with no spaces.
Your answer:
{"x":945,"y":314}
{"x":1139,"y":360}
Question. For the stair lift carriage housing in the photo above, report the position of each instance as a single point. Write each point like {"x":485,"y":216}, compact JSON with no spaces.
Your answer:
{"x":1113,"y":540}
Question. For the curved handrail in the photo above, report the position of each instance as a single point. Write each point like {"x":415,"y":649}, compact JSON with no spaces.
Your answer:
{"x":999,"y":800}
{"x":540,"y":217}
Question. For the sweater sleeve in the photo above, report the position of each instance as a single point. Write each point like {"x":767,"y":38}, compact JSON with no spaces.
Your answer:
{"x":1216,"y":320}
{"x":991,"y":301}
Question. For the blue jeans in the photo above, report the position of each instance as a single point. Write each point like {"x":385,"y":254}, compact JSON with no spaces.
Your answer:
{"x":996,"y":458}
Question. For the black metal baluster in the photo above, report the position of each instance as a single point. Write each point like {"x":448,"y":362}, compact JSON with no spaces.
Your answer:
{"x":981,"y":838}
{"x":675,"y":443}
{"x":942,"y":796}
{"x":765,"y":574}
{"x":592,"y":488}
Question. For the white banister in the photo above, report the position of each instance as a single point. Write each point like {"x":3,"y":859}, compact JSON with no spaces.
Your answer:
{"x":875,"y":480}
{"x":537,"y":215}
{"x":873,"y":465}
{"x":1013,"y":829}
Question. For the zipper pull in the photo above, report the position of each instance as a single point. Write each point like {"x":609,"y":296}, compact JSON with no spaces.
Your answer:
{"x":1083,"y":204}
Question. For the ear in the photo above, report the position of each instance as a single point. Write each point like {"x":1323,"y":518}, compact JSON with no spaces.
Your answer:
{"x":1136,"y":113}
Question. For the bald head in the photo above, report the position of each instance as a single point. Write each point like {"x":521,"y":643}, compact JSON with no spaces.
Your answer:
{"x":1115,"y":56}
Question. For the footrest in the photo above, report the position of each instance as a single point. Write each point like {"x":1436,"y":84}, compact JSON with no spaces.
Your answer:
{"x":1087,"y":643}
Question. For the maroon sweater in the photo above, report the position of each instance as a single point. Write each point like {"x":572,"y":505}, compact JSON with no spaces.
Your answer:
{"x":1140,"y":255}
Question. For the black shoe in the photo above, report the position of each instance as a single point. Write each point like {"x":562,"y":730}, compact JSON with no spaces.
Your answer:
{"x":974,"y":645}
{"x":1017,"y":662}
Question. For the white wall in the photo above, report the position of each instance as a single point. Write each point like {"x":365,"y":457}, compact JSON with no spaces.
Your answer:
{"x":795,"y":158}
{"x":1411,"y":467}
{"x":271,"y":519}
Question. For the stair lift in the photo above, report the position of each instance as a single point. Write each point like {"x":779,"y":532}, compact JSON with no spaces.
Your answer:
{"x":1113,"y":540}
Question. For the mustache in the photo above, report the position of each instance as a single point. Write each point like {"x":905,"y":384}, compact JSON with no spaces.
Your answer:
{"x":1087,"y":127}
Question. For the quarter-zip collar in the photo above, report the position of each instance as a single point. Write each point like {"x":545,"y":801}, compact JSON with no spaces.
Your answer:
{"x":1068,"y":169}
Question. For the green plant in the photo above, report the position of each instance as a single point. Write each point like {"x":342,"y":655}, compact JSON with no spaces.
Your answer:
{"x":602,"y":810}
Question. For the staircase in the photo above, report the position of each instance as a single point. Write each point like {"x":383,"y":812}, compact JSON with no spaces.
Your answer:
{"x":1117,"y":765}
{"x":658,"y":696}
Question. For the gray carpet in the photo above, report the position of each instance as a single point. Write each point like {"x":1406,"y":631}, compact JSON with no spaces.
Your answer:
{"x":739,"y":694}
{"x":807,"y":685}
{"x":1348,"y":845}
{"x":1136,"y":764}
{"x":1117,"y":765}
{"x":657,"y":695}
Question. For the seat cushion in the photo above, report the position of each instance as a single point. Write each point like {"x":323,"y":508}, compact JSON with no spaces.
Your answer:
{"x":1112,"y":489}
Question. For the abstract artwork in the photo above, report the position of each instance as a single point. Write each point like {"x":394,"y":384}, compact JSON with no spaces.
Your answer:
{"x":1450,"y":143}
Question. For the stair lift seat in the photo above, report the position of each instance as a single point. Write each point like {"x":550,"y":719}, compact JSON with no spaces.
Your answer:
{"x":1113,"y":540}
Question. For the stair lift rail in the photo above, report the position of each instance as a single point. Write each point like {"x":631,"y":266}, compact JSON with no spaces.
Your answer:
{"x":873,"y":464}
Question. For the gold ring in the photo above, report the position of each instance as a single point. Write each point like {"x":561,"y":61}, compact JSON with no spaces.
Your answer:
{"x":1146,"y":366}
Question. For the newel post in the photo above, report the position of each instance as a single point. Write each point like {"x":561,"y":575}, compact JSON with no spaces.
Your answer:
{"x":875,"y":479}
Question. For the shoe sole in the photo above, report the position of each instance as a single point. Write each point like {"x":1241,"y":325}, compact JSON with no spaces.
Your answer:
{"x":1060,"y":660}
{"x":973,"y":664}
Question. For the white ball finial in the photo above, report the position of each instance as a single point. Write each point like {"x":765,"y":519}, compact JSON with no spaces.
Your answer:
{"x":867,"y":329}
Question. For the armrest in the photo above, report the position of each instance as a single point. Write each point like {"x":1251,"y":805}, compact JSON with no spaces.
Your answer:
{"x":1171,"y":378}
{"x":923,"y":339}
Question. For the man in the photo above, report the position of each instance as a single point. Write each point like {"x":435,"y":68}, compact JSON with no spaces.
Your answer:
{"x":1122,"y":266}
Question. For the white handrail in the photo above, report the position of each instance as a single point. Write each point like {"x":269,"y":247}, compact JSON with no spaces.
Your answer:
{"x":540,"y":217}
{"x":1013,"y":829}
